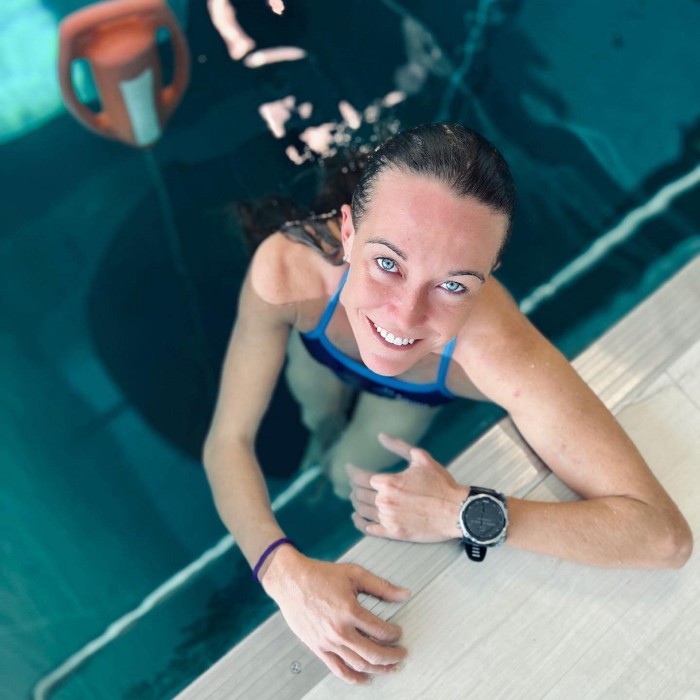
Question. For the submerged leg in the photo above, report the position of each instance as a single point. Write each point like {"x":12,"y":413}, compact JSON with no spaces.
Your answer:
{"x":359,"y":445}
{"x":324,"y":400}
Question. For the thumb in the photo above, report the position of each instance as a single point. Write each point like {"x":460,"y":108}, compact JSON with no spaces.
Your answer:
{"x":381,"y":588}
{"x":421,"y":457}
{"x":396,"y":445}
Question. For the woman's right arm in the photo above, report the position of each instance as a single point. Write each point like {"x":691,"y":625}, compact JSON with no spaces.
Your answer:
{"x":317,"y":599}
{"x":251,"y":368}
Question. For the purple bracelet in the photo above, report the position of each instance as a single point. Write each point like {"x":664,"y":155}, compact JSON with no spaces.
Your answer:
{"x":267,"y":552}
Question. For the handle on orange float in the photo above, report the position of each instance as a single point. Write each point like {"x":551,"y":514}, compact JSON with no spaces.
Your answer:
{"x":69,"y":36}
{"x":170,"y":95}
{"x":89,"y":17}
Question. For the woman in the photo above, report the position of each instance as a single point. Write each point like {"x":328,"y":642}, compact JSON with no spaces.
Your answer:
{"x":415,"y":308}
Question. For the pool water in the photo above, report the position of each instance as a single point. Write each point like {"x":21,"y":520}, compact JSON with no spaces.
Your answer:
{"x":107,"y":388}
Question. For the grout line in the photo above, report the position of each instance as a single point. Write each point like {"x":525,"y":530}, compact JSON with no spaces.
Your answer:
{"x":46,"y":685}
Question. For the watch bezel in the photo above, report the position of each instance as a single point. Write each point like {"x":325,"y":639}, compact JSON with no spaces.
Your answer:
{"x":493,"y":541}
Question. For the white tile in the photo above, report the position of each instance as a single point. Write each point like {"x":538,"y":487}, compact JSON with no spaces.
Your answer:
{"x":686,"y":372}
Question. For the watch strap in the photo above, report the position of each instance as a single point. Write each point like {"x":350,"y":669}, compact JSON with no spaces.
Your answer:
{"x":477,"y":490}
{"x":476,"y":552}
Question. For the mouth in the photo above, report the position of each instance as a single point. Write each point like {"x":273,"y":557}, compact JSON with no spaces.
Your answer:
{"x":395,"y":341}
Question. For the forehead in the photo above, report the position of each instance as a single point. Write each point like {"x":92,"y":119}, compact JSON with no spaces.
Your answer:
{"x":423,"y":215}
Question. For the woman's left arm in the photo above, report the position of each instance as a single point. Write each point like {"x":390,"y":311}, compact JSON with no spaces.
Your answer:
{"x":626,"y":518}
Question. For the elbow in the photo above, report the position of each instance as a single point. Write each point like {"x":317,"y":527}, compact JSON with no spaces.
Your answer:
{"x":219,"y":448}
{"x":677,"y":545}
{"x":684,"y":547}
{"x":211,"y":451}
{"x":207,"y":450}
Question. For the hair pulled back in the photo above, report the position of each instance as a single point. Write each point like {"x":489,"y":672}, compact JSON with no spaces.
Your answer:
{"x":459,"y":157}
{"x":469,"y":164}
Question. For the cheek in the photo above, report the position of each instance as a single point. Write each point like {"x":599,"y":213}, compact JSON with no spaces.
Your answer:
{"x":364,"y":292}
{"x":450,"y":315}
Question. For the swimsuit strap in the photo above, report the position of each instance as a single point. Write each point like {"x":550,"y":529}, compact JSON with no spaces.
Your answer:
{"x":330,"y":309}
{"x":444,"y":366}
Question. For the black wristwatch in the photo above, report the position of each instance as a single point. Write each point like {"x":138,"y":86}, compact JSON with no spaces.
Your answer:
{"x":483,"y":519}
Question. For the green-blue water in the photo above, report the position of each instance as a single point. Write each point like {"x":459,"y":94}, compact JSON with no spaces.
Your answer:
{"x":103,"y":390}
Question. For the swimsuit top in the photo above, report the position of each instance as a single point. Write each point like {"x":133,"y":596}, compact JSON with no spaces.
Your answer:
{"x":361,"y":377}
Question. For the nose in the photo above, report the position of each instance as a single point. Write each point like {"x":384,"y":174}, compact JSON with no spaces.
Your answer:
{"x":410,"y":308}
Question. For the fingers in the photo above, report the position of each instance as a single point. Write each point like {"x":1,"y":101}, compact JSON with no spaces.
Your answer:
{"x":396,"y":445}
{"x":369,"y":625}
{"x":339,"y":668}
{"x":368,"y":648}
{"x":363,"y":510}
{"x":356,"y":653}
{"x":368,"y":527}
{"x":365,"y":484}
{"x":366,"y":497}
{"x":372,"y":646}
{"x":352,"y":667}
{"x":358,"y":477}
{"x":378,"y":587}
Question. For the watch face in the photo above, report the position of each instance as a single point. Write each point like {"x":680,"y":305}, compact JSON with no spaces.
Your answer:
{"x":484,"y":519}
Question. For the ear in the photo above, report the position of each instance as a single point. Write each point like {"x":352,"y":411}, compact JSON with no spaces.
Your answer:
{"x":347,"y":230}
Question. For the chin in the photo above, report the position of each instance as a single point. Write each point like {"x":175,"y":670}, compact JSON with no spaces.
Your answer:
{"x":384,"y":366}
{"x":388,"y":361}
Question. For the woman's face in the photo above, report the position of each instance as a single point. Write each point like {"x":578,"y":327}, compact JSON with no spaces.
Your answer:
{"x":418,"y":261}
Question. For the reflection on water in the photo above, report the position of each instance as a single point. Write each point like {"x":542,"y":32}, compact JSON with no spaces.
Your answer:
{"x":103,"y":411}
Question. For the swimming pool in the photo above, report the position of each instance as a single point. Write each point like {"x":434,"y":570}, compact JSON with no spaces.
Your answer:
{"x":104,"y":397}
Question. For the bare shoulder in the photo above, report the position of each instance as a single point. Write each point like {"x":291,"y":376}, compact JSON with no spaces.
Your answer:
{"x":500,"y":350}
{"x":285,"y":272}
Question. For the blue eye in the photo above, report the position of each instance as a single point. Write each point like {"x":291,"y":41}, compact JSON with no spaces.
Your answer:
{"x":386,"y":264}
{"x":454,"y":287}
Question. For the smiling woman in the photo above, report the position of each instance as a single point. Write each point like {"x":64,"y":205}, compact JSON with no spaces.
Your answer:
{"x":410,"y":318}
{"x":387,"y":324}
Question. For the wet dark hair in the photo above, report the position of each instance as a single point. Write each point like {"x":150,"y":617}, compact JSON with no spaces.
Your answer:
{"x":462,"y":159}
{"x":303,"y":223}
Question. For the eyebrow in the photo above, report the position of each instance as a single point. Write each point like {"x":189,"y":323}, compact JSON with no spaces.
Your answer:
{"x":451,"y":273}
{"x":391,"y":246}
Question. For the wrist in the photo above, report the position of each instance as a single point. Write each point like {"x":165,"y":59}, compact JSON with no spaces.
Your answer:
{"x":277,"y":567}
{"x":452,"y":530}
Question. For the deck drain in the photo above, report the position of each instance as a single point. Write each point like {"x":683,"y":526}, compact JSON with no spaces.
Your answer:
{"x":295,"y":667}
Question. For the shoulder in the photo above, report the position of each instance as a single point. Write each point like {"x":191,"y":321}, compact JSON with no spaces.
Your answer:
{"x":500,"y":350}
{"x":284,"y":272}
{"x":496,"y":323}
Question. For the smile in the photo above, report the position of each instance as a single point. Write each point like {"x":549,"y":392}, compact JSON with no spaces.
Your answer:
{"x":391,"y":338}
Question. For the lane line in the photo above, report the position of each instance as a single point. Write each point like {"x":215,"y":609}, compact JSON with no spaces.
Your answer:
{"x":609,"y":240}
{"x":470,"y":48}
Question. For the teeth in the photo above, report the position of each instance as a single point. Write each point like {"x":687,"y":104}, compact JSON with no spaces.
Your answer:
{"x":393,"y":339}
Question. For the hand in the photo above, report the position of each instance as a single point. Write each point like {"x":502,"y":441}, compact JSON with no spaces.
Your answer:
{"x":319,"y":603}
{"x":420,"y":504}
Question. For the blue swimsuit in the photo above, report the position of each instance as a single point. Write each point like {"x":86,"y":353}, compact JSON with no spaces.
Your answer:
{"x":361,"y":377}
